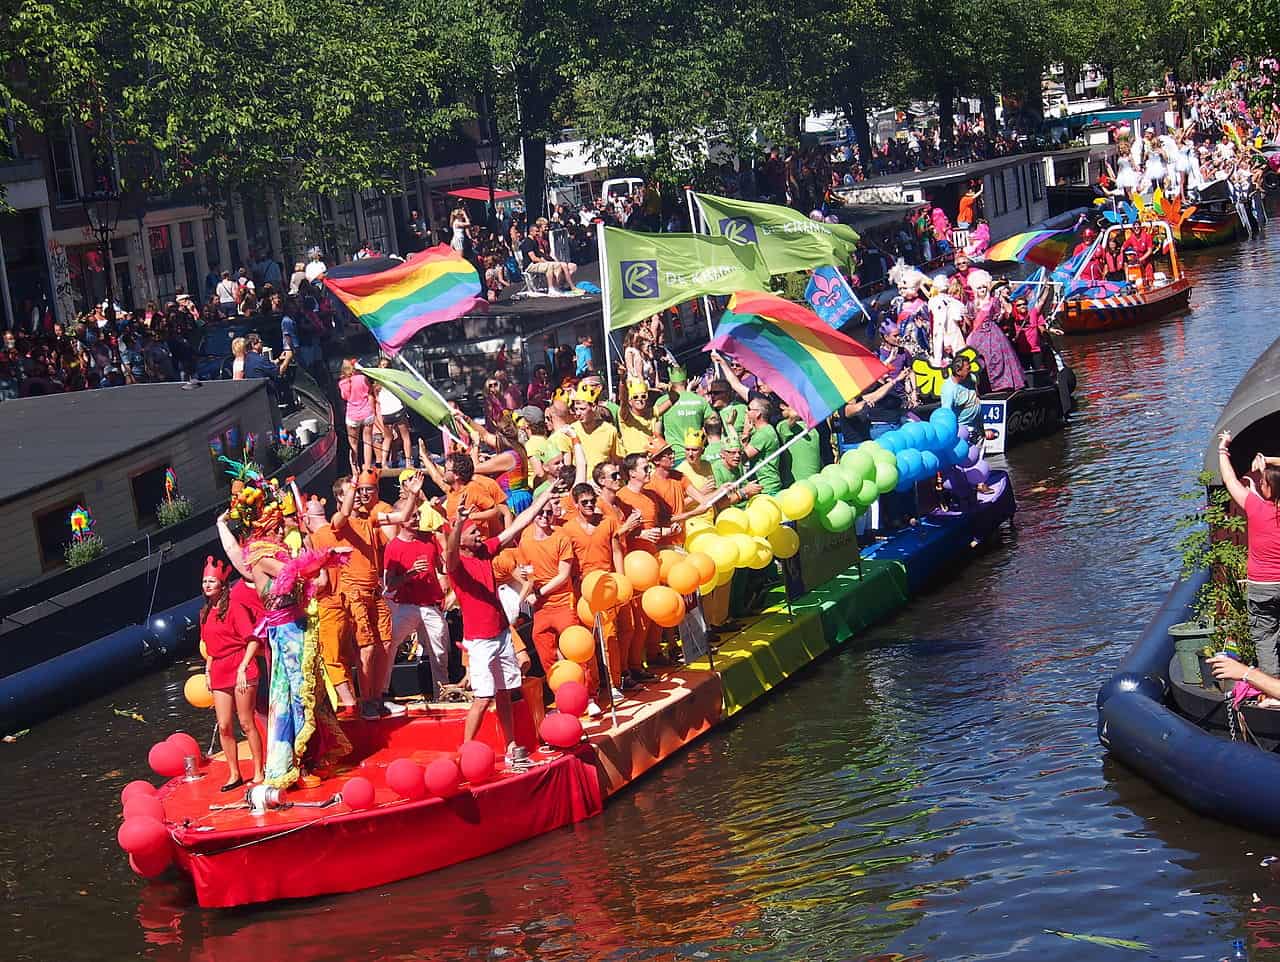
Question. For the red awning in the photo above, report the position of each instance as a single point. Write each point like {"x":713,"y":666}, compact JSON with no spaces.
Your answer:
{"x":481,"y":193}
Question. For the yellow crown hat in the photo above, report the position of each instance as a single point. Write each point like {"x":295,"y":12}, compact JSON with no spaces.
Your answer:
{"x":695,"y":438}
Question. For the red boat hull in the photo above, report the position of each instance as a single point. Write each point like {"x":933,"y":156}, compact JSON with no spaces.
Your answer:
{"x":1093,"y":315}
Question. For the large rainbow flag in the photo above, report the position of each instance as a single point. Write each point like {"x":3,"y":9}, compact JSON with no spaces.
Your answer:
{"x":397,"y":299}
{"x":1047,"y":248}
{"x":812,"y":367}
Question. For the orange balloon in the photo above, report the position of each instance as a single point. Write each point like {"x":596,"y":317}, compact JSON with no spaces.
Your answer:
{"x":705,"y":564}
{"x":565,"y":670}
{"x":664,"y":605}
{"x":668,"y":558}
{"x":684,"y":578}
{"x":577,"y":644}
{"x":585,"y":614}
{"x":642,"y":569}
{"x":196,"y":691}
{"x":600,"y":590}
{"x":204,"y":652}
{"x":626,"y":590}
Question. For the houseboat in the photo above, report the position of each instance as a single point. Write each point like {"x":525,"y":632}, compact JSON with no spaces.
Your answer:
{"x":68,"y":633}
{"x":1126,"y":304}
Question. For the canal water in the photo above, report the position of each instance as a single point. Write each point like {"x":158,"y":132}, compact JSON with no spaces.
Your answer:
{"x":938,"y":793}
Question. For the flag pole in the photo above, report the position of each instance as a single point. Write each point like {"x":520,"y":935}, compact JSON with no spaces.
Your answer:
{"x":756,"y":468}
{"x":604,"y":305}
{"x":706,"y":301}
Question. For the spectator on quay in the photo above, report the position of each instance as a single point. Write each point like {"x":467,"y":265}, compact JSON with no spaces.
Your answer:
{"x":538,"y":260}
{"x":354,"y":390}
{"x":239,"y":349}
{"x":228,"y":294}
{"x":298,"y":276}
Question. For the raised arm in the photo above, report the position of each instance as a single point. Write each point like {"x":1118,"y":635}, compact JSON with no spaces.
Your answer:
{"x":1234,"y":487}
{"x":524,"y":518}
{"x":739,"y":388}
{"x":231,"y":547}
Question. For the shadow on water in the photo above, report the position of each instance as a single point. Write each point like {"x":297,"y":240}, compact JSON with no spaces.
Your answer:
{"x":937,"y":794}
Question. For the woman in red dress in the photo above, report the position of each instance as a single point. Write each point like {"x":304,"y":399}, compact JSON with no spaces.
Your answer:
{"x":232,"y":669}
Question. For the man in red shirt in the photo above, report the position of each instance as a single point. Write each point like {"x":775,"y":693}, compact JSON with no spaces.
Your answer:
{"x":496,"y":669}
{"x":414,"y":570}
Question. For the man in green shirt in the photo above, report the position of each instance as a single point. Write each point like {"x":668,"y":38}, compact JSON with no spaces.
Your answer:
{"x":804,"y":458}
{"x":733,"y":411}
{"x":728,"y":469}
{"x":680,"y":410}
{"x":761,"y":443}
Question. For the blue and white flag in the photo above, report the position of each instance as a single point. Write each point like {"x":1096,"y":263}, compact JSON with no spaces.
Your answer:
{"x":831,"y":297}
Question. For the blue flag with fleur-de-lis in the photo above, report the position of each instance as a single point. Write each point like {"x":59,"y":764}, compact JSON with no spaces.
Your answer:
{"x":831,"y":297}
{"x":787,"y":239}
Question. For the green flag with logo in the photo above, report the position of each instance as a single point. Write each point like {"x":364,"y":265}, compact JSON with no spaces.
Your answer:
{"x":645,"y":273}
{"x":787,"y":239}
{"x":413,"y":394}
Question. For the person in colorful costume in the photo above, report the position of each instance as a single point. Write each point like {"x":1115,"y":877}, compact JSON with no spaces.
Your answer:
{"x":303,"y":735}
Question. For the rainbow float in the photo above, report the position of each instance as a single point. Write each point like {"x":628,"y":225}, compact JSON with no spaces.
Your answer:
{"x":407,"y":800}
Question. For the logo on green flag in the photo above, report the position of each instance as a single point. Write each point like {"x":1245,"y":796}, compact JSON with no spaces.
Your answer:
{"x":786,"y":239}
{"x":644,"y":273}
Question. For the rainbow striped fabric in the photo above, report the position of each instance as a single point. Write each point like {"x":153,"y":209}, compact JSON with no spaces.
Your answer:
{"x":812,"y":367}
{"x":400,"y":299}
{"x":1046,"y":248}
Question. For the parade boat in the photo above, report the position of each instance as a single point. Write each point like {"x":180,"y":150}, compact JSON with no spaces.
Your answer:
{"x":1093,"y":308}
{"x":68,"y":634}
{"x":1161,"y":713}
{"x":1214,"y":219}
{"x":383,"y":814}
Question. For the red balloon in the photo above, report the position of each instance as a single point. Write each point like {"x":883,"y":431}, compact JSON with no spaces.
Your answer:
{"x":404,"y":777}
{"x":147,"y":805}
{"x":187,"y":744}
{"x":357,"y":793}
{"x":136,"y":787}
{"x":142,"y":834}
{"x":572,"y":698}
{"x":151,"y":864}
{"x":443,"y":778}
{"x":560,"y":730}
{"x":165,"y":759}
{"x":476,"y":761}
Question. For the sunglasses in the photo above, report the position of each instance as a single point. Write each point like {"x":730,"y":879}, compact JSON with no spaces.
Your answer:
{"x":366,"y":491}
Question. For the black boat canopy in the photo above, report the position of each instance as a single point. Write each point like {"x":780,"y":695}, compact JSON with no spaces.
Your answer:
{"x":1252,"y":415}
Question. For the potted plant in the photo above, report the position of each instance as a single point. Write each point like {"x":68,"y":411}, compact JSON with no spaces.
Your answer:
{"x":172,"y":510}
{"x":1211,"y":543}
{"x":84,"y":545}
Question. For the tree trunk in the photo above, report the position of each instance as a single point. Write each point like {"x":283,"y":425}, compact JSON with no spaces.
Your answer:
{"x":946,"y":111}
{"x":989,"y":120}
{"x":1109,"y":71}
{"x":794,"y":126}
{"x":533,"y":148}
{"x":856,"y":113}
{"x":1033,"y":103}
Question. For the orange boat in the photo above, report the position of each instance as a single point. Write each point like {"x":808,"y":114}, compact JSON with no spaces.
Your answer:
{"x":1138,"y":300}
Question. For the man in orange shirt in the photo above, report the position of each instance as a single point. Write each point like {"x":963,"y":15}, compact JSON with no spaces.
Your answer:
{"x":366,"y":524}
{"x":671,"y":487}
{"x":487,"y":500}
{"x":548,"y":552}
{"x":597,"y":546}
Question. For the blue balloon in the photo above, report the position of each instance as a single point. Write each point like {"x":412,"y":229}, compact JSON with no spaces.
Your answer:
{"x":914,"y":465}
{"x":913,"y":431}
{"x":904,"y":483}
{"x":889,"y":441}
{"x":932,"y":441}
{"x":945,"y":422}
{"x":959,"y":451}
{"x":930,"y":462}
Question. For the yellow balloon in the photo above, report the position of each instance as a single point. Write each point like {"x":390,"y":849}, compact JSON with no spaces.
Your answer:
{"x":763,"y":556}
{"x":699,"y":540}
{"x":761,"y":521}
{"x":196,"y":691}
{"x":785,"y":542}
{"x":745,"y":545}
{"x":723,"y":578}
{"x":796,"y":502}
{"x":698,"y":523}
{"x":769,"y":503}
{"x":724,"y":553}
{"x":732,"y":521}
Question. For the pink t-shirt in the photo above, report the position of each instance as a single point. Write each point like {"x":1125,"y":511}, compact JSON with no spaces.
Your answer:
{"x":355,"y":391}
{"x":1264,"y":539}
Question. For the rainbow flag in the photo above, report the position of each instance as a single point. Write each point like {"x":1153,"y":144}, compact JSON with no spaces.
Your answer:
{"x":397,"y":299}
{"x":812,"y":367}
{"x":1047,"y":248}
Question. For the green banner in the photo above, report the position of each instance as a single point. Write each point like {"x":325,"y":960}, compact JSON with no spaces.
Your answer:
{"x":645,"y":273}
{"x":413,"y":394}
{"x":786,"y":239}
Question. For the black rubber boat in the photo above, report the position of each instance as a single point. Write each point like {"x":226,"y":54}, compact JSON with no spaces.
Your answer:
{"x":1173,"y":730}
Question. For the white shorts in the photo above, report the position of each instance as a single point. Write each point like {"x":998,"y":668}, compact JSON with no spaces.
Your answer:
{"x":492,"y":665}
{"x":360,"y":424}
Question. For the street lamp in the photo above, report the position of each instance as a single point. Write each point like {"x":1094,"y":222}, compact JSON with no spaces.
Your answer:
{"x":489,"y":155}
{"x":102,"y":208}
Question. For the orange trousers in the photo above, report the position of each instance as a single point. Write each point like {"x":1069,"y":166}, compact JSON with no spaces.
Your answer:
{"x":548,"y":623}
{"x":335,"y":641}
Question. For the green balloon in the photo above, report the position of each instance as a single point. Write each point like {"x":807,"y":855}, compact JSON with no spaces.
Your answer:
{"x":808,"y":483}
{"x":840,"y":486}
{"x":858,"y":463}
{"x":823,"y":496}
{"x":839,"y":518}
{"x":884,"y":457}
{"x":886,"y":477}
{"x":867,"y":494}
{"x":871,"y":447}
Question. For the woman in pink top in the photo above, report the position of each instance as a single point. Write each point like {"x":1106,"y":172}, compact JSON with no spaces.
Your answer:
{"x":1262,"y":514}
{"x":354,"y":388}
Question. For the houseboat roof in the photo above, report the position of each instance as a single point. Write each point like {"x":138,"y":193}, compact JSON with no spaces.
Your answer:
{"x":47,"y":439}
{"x":1251,"y":414}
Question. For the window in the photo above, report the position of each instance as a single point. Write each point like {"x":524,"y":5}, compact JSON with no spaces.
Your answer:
{"x":227,"y":443}
{"x":1037,"y":182}
{"x":212,"y":250}
{"x":148,"y":492}
{"x":440,"y":370}
{"x":53,"y":531}
{"x":161,"y":241}
{"x":62,"y":163}
{"x":185,"y":235}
